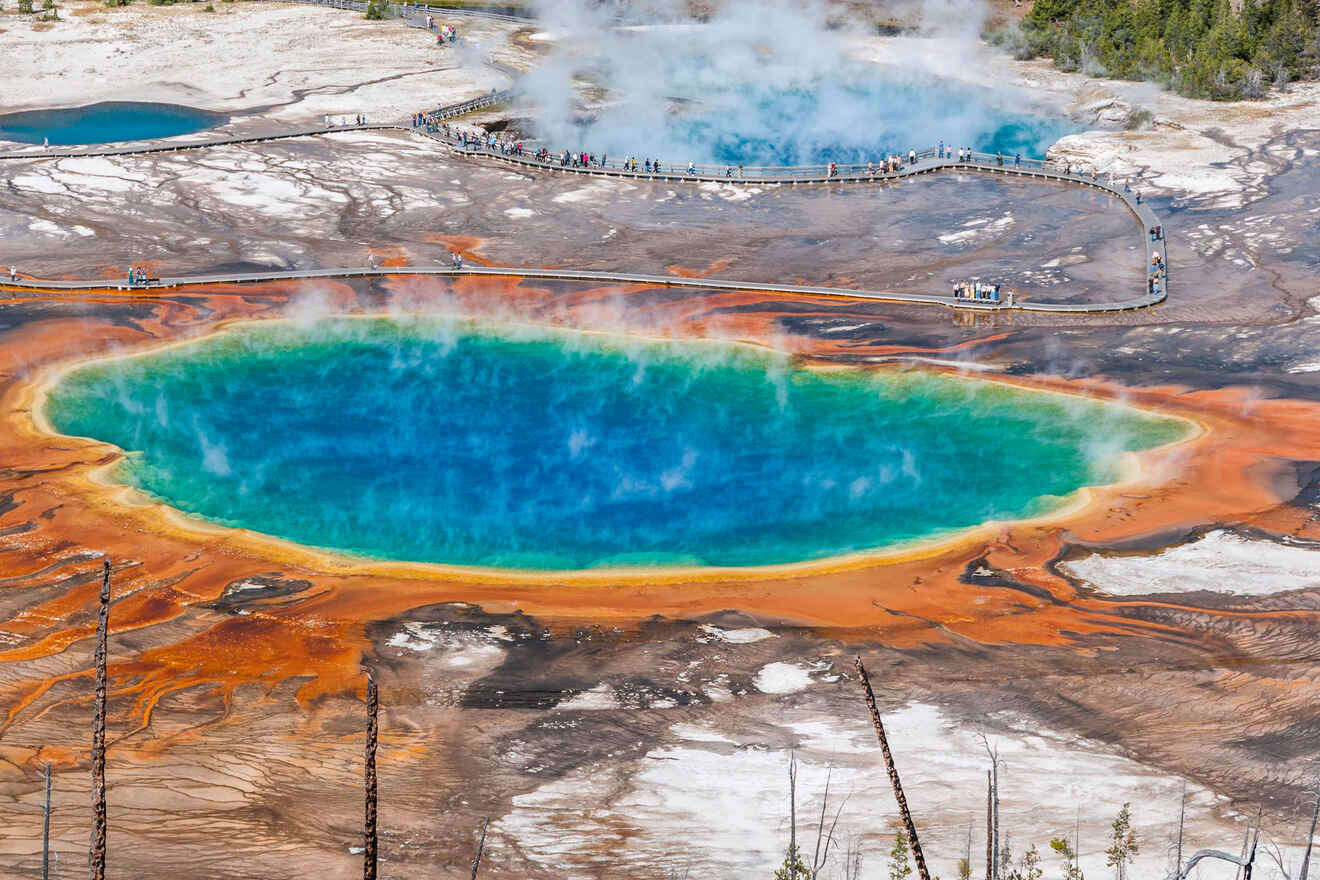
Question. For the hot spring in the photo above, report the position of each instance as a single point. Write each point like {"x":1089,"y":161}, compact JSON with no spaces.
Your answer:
{"x":827,"y":119}
{"x":105,"y":123}
{"x":436,"y":441}
{"x":760,"y":86}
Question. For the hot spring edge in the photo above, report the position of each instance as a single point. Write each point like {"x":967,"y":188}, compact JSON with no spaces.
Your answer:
{"x":432,"y":440}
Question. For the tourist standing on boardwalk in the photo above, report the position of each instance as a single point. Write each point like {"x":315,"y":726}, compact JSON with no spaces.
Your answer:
{"x":13,"y":273}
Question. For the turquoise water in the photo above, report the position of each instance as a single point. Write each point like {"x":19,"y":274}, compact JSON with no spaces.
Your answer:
{"x":829,"y":120}
{"x":434,"y":441}
{"x":780,"y":116}
{"x":854,"y":122}
{"x":105,"y":123}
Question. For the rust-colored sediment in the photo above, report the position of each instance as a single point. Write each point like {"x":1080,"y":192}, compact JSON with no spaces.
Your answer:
{"x":51,"y":509}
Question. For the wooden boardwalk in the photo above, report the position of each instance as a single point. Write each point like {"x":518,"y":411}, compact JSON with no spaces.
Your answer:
{"x":160,"y":284}
{"x":927,"y":162}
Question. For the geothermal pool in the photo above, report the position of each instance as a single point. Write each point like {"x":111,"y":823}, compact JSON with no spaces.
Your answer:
{"x":436,"y":441}
{"x":824,"y":119}
{"x":105,"y":123}
{"x":775,"y":88}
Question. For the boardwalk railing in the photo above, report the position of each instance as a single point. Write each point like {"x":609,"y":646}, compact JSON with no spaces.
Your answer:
{"x":424,"y":8}
{"x":155,"y":284}
{"x":502,"y":96}
{"x":928,"y":161}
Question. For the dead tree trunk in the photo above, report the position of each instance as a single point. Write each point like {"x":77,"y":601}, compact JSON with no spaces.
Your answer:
{"x":792,"y":815}
{"x":1182,"y":815}
{"x":369,"y":825}
{"x":908,"y":825}
{"x":481,"y":848}
{"x":97,"y":854}
{"x":989,"y":826}
{"x":1242,"y":861}
{"x":994,"y":788}
{"x":1255,"y":842}
{"x":1200,"y":854}
{"x":995,"y":853}
{"x":1306,"y":858}
{"x":45,"y":830}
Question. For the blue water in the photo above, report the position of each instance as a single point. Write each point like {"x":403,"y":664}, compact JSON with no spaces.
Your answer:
{"x":434,"y":441}
{"x":105,"y":123}
{"x":804,"y":126}
{"x":839,"y":117}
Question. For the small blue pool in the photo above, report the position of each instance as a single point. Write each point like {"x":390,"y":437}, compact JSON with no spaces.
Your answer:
{"x":106,"y":123}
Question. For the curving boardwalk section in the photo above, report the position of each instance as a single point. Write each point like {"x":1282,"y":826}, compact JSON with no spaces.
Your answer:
{"x":927,"y":162}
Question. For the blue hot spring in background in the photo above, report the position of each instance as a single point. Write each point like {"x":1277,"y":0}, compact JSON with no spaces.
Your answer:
{"x":849,"y":117}
{"x":105,"y":123}
{"x":436,"y":441}
{"x":799,"y":126}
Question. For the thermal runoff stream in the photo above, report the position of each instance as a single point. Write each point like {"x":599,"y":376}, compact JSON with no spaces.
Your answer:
{"x":436,"y":441}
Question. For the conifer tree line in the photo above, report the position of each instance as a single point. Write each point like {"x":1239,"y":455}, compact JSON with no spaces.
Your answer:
{"x":1220,"y":49}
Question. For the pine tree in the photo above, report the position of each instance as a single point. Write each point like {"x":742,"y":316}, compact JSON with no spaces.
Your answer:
{"x":1123,"y":843}
{"x":1071,"y":870}
{"x":900,"y":863}
{"x":793,"y":868}
{"x":1031,"y":868}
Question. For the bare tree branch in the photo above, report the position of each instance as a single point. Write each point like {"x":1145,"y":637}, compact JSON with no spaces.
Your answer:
{"x":820,"y":825}
{"x":1201,"y":854}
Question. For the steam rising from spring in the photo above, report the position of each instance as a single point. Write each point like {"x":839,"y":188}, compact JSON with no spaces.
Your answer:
{"x":770,"y":82}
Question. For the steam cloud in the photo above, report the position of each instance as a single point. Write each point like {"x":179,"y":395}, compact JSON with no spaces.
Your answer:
{"x":770,"y":82}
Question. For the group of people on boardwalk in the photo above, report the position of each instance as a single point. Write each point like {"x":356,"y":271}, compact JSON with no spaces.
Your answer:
{"x":890,"y":164}
{"x":1156,"y":273}
{"x":431,"y":123}
{"x":137,"y":275}
{"x":447,"y":34}
{"x":332,"y":122}
{"x":982,"y":291}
